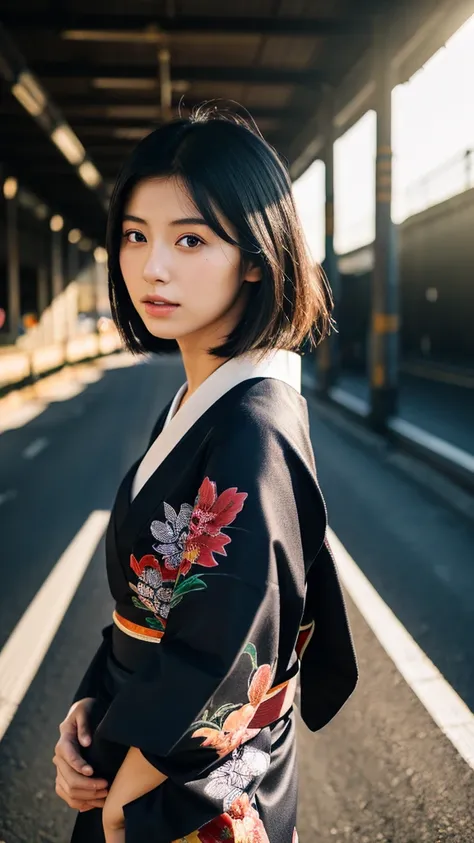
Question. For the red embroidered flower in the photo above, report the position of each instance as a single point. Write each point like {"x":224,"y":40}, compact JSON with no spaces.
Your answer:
{"x":235,"y":729}
{"x":210,"y":514}
{"x":241,"y":824}
{"x":217,"y":830}
{"x":155,"y":584}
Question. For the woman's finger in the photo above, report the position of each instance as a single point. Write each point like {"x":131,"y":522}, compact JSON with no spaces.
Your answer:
{"x":77,"y":780}
{"x":83,"y":733}
{"x":63,"y":795}
{"x":77,"y":786}
{"x":67,"y":749}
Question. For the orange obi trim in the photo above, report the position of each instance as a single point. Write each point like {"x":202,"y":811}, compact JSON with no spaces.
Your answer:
{"x":143,"y":633}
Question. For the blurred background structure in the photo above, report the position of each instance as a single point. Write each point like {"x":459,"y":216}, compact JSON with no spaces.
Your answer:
{"x":371,"y":104}
{"x":350,"y":95}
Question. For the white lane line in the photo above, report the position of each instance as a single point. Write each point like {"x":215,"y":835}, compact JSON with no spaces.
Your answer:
{"x":441,"y":701}
{"x":28,"y":644}
{"x":34,"y":448}
{"x":9,"y":495}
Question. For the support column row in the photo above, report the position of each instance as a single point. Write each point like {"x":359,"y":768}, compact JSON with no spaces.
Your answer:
{"x":383,"y":341}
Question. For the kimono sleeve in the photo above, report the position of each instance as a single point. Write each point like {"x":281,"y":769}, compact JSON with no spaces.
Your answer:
{"x":195,"y":700}
{"x":93,"y":677}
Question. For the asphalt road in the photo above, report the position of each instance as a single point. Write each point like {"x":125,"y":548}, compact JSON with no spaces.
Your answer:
{"x":382,"y":771}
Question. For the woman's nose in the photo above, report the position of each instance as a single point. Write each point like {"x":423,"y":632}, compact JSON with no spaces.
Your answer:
{"x":157,"y":267}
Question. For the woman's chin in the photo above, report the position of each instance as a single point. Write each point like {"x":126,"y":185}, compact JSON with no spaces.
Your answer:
{"x":161,"y":333}
{"x":160,"y":329}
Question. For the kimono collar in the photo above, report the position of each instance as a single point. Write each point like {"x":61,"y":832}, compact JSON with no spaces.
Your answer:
{"x":280,"y":364}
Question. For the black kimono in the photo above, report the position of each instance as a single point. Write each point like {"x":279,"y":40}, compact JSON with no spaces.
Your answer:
{"x":226,"y":594}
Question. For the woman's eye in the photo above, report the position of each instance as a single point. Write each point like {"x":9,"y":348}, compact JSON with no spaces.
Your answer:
{"x":192,"y":241}
{"x":140,"y":238}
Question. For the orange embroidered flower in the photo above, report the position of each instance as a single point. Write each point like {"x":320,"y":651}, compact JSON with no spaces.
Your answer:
{"x":247,"y":825}
{"x":210,"y":514}
{"x":235,"y":729}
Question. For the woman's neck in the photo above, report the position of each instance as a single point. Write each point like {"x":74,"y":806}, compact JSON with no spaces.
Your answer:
{"x":198,"y":368}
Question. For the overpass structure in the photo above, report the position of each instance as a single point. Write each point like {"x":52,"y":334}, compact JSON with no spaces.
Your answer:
{"x":81,"y":83}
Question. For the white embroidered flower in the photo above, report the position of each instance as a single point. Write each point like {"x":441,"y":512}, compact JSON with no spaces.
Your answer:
{"x":172,"y":533}
{"x":234,"y":777}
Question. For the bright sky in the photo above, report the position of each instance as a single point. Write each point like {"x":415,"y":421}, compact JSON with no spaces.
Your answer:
{"x":309,"y":193}
{"x":433,"y":126}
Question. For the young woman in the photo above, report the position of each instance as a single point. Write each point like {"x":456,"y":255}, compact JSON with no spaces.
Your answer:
{"x":225,"y":587}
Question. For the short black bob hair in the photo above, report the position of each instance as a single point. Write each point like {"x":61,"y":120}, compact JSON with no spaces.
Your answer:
{"x":225,"y":164}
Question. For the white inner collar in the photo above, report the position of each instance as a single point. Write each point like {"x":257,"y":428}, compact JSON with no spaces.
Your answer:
{"x":281,"y":365}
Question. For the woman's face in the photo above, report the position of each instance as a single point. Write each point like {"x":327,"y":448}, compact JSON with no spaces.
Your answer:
{"x":168,"y":250}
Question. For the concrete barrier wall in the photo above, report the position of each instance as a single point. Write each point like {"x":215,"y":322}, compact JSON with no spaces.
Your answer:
{"x":17,"y":366}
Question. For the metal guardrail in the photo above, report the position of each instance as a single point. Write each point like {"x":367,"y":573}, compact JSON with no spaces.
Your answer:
{"x":18,"y":367}
{"x":454,"y":176}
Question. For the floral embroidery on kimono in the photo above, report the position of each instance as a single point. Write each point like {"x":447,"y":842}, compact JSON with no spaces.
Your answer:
{"x":187,"y":538}
{"x":228,"y":727}
{"x":240,"y":824}
{"x":193,"y":536}
{"x":230,"y":781}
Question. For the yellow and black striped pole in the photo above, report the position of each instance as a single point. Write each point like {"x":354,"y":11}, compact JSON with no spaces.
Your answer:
{"x":383,"y":353}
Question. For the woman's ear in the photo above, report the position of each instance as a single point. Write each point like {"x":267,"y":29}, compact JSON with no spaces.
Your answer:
{"x":253,"y":273}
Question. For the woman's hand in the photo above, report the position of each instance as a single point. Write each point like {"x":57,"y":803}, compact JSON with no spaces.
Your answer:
{"x":73,"y":778}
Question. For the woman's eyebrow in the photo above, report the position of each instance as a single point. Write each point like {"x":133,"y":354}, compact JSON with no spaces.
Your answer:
{"x":134,"y":219}
{"x":189,"y":221}
{"x":183,"y":221}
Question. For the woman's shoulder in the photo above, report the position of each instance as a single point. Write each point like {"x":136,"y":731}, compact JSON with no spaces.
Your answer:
{"x":261,"y":411}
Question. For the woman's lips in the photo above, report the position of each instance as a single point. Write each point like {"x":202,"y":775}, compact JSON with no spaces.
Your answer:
{"x":159,"y":309}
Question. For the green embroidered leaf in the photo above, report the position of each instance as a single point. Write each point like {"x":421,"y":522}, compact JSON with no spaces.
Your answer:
{"x":193,"y":583}
{"x":207,"y":724}
{"x":225,"y":710}
{"x":175,"y":600}
{"x":139,"y":605}
{"x":155,"y":624}
{"x":252,"y":652}
{"x":222,"y":714}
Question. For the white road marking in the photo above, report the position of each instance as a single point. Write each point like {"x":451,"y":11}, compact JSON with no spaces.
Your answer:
{"x":34,"y":448}
{"x":9,"y":495}
{"x":28,"y":644}
{"x":441,"y":701}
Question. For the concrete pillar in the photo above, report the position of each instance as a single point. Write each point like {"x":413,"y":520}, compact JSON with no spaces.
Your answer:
{"x":328,"y":355}
{"x":13,"y":268}
{"x":42,"y":284}
{"x":57,"y":269}
{"x":58,"y":283}
{"x":383,"y":362}
{"x":73,"y":261}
